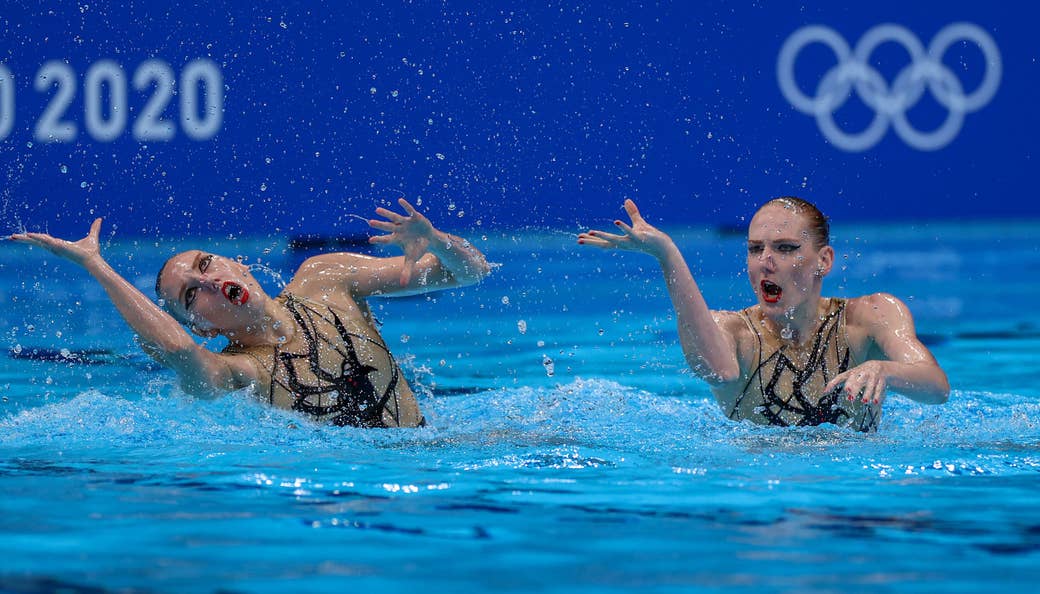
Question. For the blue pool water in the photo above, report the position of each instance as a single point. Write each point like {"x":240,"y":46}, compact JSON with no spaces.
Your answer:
{"x":569,"y":450}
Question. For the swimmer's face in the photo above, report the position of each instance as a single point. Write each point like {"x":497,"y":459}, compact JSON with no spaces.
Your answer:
{"x":207,"y":292}
{"x":786,"y":269}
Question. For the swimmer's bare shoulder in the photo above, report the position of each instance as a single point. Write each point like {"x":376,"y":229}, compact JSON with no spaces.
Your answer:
{"x":208,"y":375}
{"x":742,"y":342}
{"x":738,"y":338}
{"x":871,"y":319}
{"x":328,"y":276}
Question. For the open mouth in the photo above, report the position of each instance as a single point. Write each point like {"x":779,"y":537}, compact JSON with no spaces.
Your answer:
{"x":771,"y":291}
{"x":235,"y":293}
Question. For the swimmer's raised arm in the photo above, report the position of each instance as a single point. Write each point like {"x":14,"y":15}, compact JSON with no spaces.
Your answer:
{"x":710,"y":351}
{"x":432,"y":259}
{"x":907,"y":366}
{"x":201,"y":372}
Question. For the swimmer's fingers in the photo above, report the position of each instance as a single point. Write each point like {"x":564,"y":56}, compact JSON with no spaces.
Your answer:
{"x":586,"y":239}
{"x":381,"y":239}
{"x":408,"y":208}
{"x":625,"y":227}
{"x":849,"y":383}
{"x":865,"y":383}
{"x":95,"y":230}
{"x":390,"y":215}
{"x":79,"y":251}
{"x":47,"y":242}
{"x":834,"y":384}
{"x":876,"y":393}
{"x":602,"y":240}
{"x":383,"y":225}
{"x":633,"y":212}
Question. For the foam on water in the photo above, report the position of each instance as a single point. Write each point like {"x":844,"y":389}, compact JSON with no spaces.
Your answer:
{"x":584,"y":422}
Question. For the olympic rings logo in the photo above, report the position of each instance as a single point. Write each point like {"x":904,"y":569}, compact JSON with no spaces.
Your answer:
{"x":890,"y":104}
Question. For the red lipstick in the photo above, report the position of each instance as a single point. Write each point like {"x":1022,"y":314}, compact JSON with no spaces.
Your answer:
{"x":771,"y":292}
{"x":234,"y":292}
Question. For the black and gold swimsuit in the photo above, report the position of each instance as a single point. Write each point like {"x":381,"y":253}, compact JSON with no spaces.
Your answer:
{"x":344,"y":377}
{"x":786,"y":386}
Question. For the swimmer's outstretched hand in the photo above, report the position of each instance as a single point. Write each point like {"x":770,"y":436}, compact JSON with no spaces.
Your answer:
{"x":865,"y":382}
{"x":412,"y":232}
{"x":80,"y":252}
{"x":640,"y":236}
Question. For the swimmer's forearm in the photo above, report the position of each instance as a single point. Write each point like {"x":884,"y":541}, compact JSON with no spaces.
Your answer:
{"x":703,"y":342}
{"x":465,"y":263}
{"x":152,"y":324}
{"x":924,"y":382}
{"x":202,"y":374}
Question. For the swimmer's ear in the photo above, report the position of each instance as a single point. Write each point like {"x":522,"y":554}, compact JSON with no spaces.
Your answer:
{"x":826,"y":258}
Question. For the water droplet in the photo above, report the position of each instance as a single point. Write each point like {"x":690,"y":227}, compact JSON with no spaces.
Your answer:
{"x":550,"y":367}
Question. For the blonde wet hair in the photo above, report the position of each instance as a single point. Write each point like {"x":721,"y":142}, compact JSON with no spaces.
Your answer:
{"x":819,"y":225}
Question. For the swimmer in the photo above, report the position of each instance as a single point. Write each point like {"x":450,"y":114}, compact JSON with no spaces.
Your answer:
{"x":315,"y":348}
{"x":794,"y":358}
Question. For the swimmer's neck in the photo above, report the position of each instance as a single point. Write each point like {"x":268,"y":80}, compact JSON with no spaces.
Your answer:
{"x":274,"y":325}
{"x":799,"y":324}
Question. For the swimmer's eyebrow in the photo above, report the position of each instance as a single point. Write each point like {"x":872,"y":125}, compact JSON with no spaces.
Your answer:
{"x":774,"y":240}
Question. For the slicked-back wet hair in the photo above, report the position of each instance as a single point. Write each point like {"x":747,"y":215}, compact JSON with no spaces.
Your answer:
{"x":819,"y":226}
{"x":158,"y":278}
{"x":158,"y":293}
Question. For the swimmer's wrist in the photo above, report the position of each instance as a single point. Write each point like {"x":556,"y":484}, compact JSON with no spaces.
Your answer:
{"x":666,"y":253}
{"x":443,"y":243}
{"x":94,"y":262}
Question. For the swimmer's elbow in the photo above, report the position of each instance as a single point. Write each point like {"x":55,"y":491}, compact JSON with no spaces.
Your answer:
{"x":471,"y":274}
{"x":937,"y":393}
{"x":942,"y":394}
{"x":167,"y":348}
{"x":725,"y":376}
{"x":200,"y":391}
{"x":716,"y":375}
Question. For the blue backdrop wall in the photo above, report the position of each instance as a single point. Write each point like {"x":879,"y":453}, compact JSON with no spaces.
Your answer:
{"x":221,"y":119}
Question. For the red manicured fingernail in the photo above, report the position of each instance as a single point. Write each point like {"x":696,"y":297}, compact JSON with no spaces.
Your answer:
{"x":581,"y":241}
